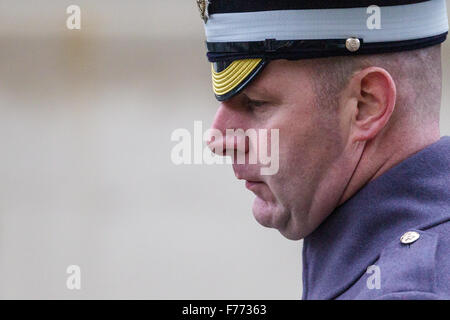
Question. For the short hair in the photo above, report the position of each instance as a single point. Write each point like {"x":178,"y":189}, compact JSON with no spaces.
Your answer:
{"x":417,"y":75}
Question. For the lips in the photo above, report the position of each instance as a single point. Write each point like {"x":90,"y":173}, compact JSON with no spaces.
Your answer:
{"x":242,"y":173}
{"x":260,"y":190}
{"x":252,"y":181}
{"x":250,"y":184}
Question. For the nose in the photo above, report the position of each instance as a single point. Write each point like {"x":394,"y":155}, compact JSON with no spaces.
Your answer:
{"x":227,"y":131}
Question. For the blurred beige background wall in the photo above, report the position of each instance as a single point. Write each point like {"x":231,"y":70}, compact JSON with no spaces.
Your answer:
{"x":85,"y":172}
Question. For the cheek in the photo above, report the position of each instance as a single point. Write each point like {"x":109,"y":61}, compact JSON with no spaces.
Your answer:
{"x":307,"y":148}
{"x":298,"y":140}
{"x":295,"y":161}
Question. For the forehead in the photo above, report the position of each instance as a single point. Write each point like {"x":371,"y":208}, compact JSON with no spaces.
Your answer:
{"x":281,"y":77}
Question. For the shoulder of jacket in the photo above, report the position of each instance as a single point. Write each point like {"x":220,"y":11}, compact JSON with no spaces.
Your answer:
{"x":408,"y":265}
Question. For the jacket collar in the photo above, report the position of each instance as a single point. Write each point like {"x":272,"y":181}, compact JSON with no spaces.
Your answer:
{"x":408,"y":195}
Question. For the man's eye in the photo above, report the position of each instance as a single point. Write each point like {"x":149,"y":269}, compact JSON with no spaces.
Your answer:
{"x":252,"y":104}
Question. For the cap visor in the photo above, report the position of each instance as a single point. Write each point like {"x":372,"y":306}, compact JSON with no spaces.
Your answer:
{"x":229,"y":79}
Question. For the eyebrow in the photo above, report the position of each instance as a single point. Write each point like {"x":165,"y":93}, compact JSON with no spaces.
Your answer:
{"x":255,"y":89}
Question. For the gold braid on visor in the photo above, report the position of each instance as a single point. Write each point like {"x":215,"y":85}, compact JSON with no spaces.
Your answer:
{"x":234,"y":75}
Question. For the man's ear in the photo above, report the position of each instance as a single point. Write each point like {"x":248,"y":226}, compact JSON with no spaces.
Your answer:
{"x":371,"y":97}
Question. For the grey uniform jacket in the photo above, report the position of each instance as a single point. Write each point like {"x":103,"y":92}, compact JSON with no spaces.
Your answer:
{"x":391,"y":240}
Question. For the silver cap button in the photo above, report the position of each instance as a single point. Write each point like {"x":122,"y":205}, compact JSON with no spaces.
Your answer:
{"x":352,"y":44}
{"x":410,"y":237}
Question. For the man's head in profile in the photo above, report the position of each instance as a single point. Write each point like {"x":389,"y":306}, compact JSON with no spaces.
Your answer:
{"x":346,"y":110}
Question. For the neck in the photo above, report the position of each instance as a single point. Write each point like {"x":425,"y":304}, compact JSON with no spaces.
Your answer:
{"x":385,"y":151}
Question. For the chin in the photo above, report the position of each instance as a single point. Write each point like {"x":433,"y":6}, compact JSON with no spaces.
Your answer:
{"x":274,"y":216}
{"x":295,"y":229}
{"x":292,"y":235}
{"x":269,"y":215}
